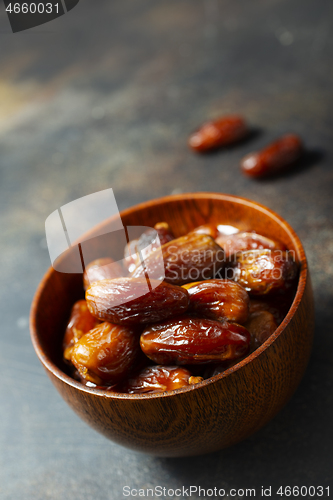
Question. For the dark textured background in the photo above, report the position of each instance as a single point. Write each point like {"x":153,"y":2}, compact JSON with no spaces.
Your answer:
{"x":106,"y":97}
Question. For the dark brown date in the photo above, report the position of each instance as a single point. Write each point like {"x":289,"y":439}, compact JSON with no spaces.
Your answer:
{"x":217,"y":133}
{"x":243,"y":241}
{"x":159,"y":379}
{"x":262,"y":271}
{"x":106,"y":354}
{"x":274,"y":307}
{"x":193,"y":257}
{"x":80,"y":322}
{"x":261,"y":325}
{"x":186,"y":341}
{"x":276,"y":157}
{"x":128,"y":301}
{"x":219,"y":299}
{"x":101,"y":269}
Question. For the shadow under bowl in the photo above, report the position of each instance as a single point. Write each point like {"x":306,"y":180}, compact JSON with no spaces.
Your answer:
{"x":217,"y":412}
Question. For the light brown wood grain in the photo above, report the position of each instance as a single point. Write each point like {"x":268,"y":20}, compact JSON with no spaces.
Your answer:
{"x":215,"y":413}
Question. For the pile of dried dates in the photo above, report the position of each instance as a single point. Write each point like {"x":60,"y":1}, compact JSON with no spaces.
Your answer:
{"x":224,"y":293}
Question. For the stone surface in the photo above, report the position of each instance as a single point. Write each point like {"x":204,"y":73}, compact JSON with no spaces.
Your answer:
{"x":106,"y":96}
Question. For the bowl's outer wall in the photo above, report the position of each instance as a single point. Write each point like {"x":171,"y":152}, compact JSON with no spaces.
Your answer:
{"x":217,"y":413}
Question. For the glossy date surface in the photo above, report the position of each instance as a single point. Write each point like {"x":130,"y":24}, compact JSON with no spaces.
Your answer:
{"x":128,"y":301}
{"x":193,"y":257}
{"x":218,"y":133}
{"x":219,"y":299}
{"x":276,"y":157}
{"x":106,"y":354}
{"x":188,"y":340}
{"x":262,"y":272}
{"x":80,"y":322}
{"x":243,"y":241}
{"x":159,"y":378}
{"x":261,"y":325}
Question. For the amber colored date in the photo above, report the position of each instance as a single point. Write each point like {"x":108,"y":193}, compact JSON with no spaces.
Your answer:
{"x":243,"y":241}
{"x":210,"y":229}
{"x":106,"y":354}
{"x":193,"y":257}
{"x":159,"y":378}
{"x":276,"y":157}
{"x":101,"y":269}
{"x":262,"y":271}
{"x":112,"y":300}
{"x":219,"y":299}
{"x":217,"y":133}
{"x":186,"y":341}
{"x":261,"y":325}
{"x":80,"y":322}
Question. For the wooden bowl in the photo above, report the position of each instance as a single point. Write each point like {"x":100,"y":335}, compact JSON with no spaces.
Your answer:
{"x":215,"y":413}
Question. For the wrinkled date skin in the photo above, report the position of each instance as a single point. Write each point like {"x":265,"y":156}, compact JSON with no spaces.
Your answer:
{"x":218,"y":133}
{"x":261,"y":325}
{"x":106,"y":354}
{"x":80,"y":322}
{"x":101,"y":269}
{"x":193,"y":257}
{"x":147,"y":306}
{"x":274,"y":158}
{"x":186,"y":341}
{"x":243,"y":241}
{"x":159,"y":379}
{"x":262,"y":272}
{"x":131,"y":256}
{"x":219,"y":299}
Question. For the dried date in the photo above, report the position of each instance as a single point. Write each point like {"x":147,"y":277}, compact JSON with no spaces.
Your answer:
{"x":243,"y":241}
{"x":217,"y":133}
{"x":80,"y":322}
{"x":159,"y":379}
{"x":219,"y":299}
{"x":187,"y":340}
{"x":106,"y":354}
{"x":276,"y":157}
{"x":262,"y":272}
{"x":193,"y":257}
{"x":261,"y":325}
{"x":129,"y":301}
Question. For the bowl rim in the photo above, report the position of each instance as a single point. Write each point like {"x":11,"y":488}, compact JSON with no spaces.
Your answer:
{"x":302,"y":281}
